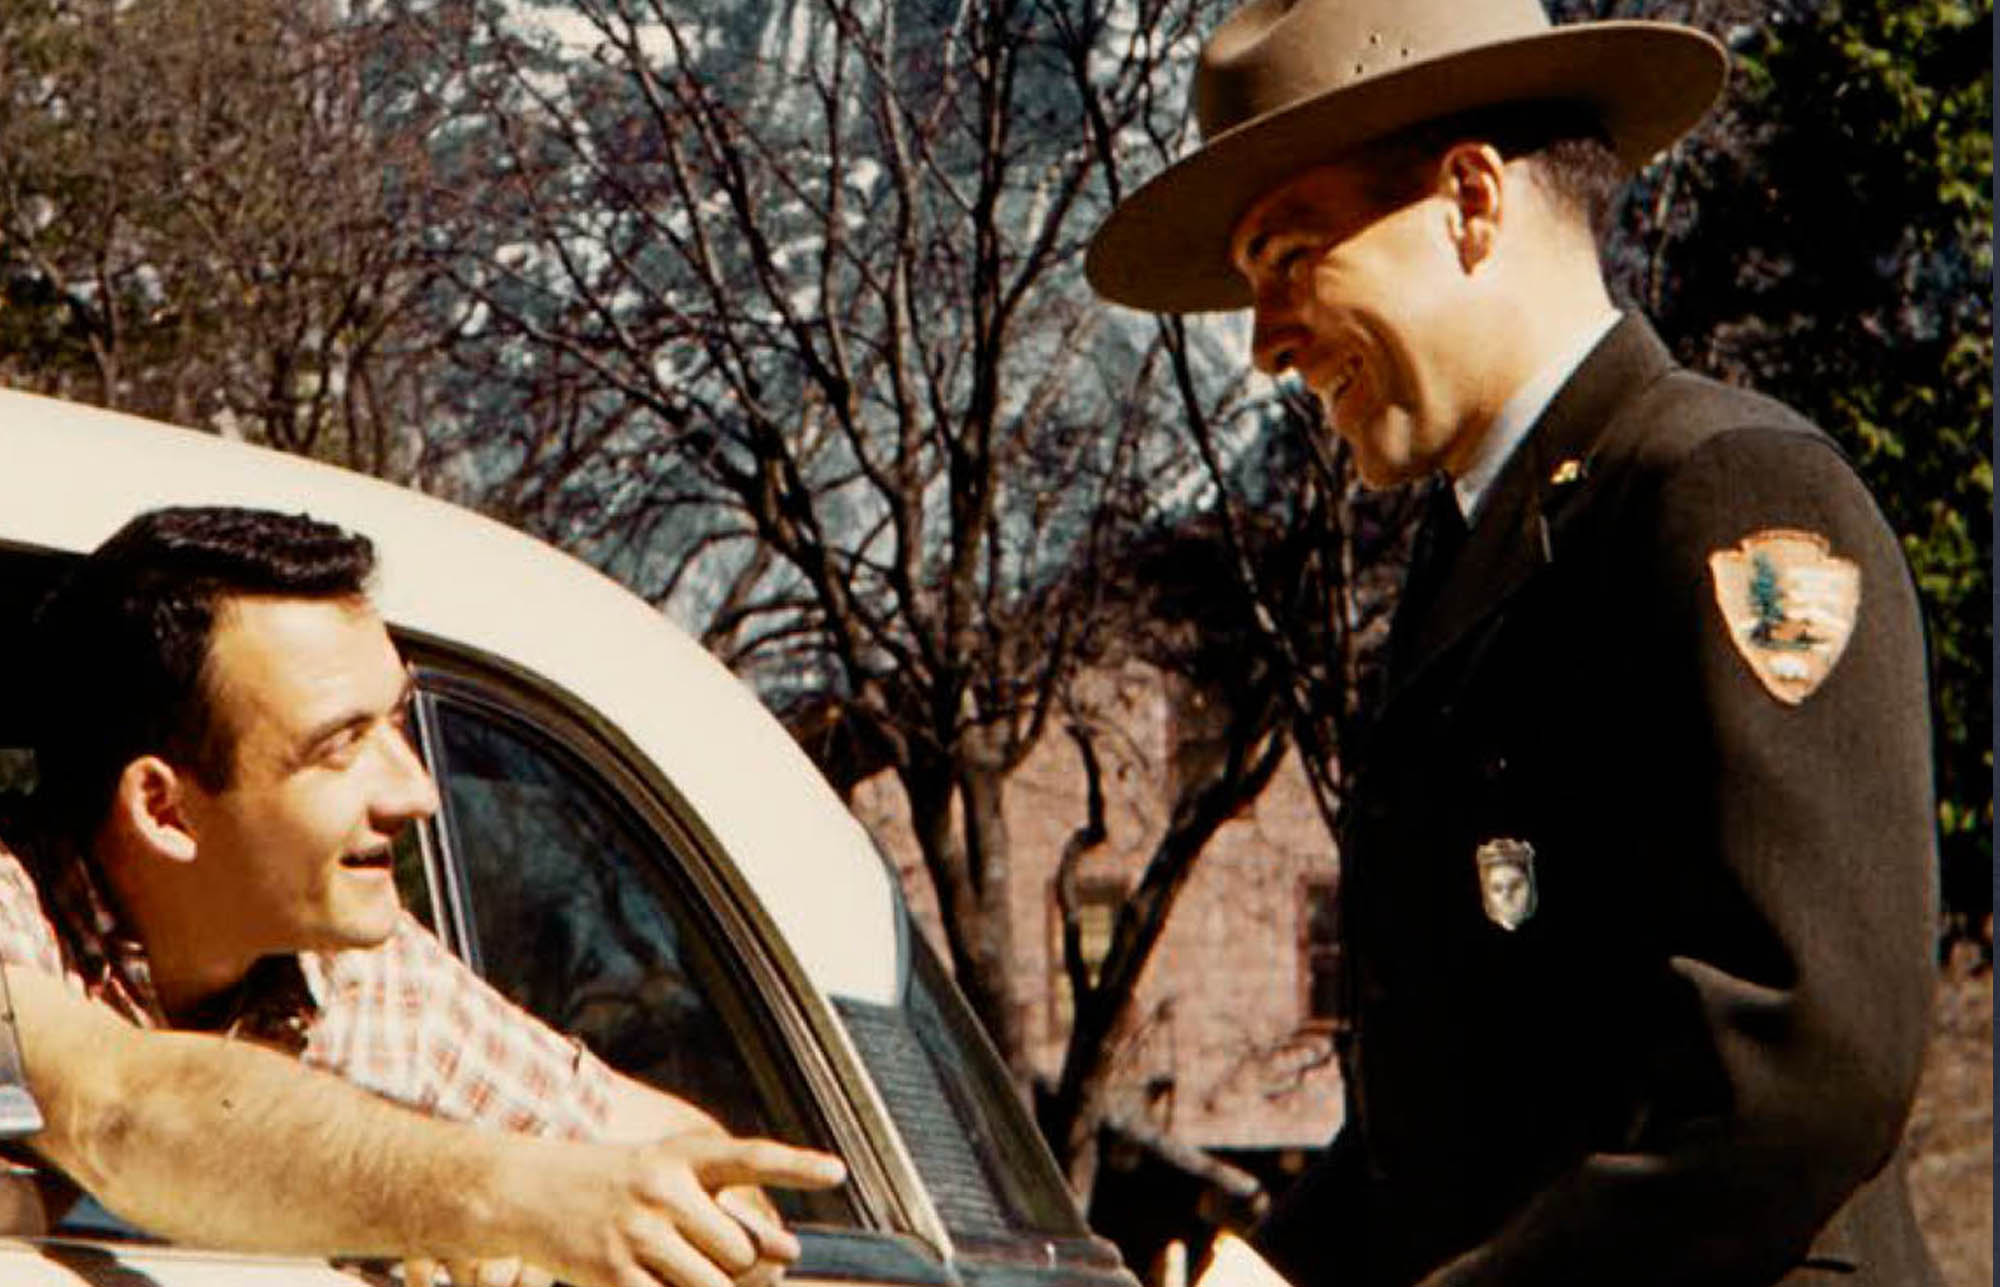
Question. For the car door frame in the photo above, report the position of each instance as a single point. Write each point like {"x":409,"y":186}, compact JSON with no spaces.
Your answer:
{"x":897,"y":1219}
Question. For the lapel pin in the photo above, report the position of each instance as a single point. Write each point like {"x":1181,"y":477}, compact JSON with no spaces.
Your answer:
{"x":1568,"y":472}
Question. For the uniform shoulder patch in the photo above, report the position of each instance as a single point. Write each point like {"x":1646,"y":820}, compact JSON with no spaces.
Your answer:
{"x":1789,"y":604}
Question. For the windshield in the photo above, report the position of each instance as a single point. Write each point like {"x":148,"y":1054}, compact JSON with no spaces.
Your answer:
{"x":968,"y":1132}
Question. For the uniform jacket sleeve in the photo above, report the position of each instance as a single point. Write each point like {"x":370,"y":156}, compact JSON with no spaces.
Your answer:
{"x":1795,"y":855}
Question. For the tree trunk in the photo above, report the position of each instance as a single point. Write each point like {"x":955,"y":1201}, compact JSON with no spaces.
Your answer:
{"x":968,"y":867}
{"x":982,"y":796}
{"x":1073,"y":1112}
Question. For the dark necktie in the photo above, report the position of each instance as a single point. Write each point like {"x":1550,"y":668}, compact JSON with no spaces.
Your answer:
{"x":1437,"y":546}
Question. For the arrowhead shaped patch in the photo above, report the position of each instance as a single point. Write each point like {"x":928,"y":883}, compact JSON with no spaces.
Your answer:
{"x":1789,"y":603}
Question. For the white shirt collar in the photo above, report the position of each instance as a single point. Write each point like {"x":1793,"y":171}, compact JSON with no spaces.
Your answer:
{"x":1519,"y":415}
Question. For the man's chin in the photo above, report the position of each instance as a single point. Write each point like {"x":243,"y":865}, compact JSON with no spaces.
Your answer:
{"x":361,"y":927}
{"x":1379,"y":473}
{"x":1381,"y":454}
{"x":1375,"y":480}
{"x":351,"y":943}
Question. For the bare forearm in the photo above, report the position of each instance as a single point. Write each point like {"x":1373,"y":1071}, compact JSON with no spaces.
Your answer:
{"x":203,"y":1140}
{"x":642,"y":1112}
{"x":206,"y":1140}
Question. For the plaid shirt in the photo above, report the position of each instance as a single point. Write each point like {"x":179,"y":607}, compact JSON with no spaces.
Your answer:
{"x":406,"y":1020}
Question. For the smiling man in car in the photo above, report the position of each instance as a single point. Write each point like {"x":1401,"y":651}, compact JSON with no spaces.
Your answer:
{"x":1641,"y":845}
{"x":224,"y":770}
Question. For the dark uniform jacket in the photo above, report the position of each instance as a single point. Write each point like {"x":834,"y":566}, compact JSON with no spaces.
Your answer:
{"x":1689,"y":1057}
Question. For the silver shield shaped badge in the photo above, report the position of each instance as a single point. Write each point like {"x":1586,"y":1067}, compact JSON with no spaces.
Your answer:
{"x":1507,"y":882}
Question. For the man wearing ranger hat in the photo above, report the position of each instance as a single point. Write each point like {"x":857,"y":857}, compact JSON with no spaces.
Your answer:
{"x":1642,"y":842}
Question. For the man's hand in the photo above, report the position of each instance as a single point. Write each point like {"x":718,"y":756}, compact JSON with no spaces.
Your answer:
{"x":650,"y":1215}
{"x":776,"y":1247}
{"x":509,"y":1272}
{"x":227,"y":1144}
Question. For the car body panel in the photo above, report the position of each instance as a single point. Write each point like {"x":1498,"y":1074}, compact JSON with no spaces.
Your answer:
{"x":448,"y":572}
{"x":793,"y":879}
{"x":62,"y":1262}
{"x":59,"y":1262}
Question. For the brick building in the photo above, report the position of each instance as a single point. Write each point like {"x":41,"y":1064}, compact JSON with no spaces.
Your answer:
{"x":1228,"y":1049}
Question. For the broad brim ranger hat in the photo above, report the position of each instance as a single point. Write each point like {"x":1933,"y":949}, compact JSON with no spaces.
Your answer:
{"x":1286,"y":85}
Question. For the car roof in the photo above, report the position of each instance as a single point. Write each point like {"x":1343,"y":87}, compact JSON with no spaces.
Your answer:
{"x":73,"y":474}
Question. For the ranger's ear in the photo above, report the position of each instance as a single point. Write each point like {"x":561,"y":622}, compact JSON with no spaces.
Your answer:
{"x":1472,"y":179}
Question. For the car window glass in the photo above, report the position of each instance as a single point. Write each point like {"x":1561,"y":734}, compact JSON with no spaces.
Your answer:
{"x":580,"y":915}
{"x":412,"y":880}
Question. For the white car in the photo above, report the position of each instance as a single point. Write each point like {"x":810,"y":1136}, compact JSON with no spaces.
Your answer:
{"x":630,"y":846}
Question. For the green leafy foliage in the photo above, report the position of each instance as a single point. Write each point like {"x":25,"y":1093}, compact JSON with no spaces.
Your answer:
{"x":1829,"y":241}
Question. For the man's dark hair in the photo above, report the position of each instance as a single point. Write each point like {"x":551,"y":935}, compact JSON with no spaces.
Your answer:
{"x":123,"y":643}
{"x":1564,"y":143}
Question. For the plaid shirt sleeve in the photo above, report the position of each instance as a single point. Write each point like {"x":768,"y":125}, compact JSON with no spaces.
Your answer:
{"x":27,"y":938}
{"x":411,"y":1022}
